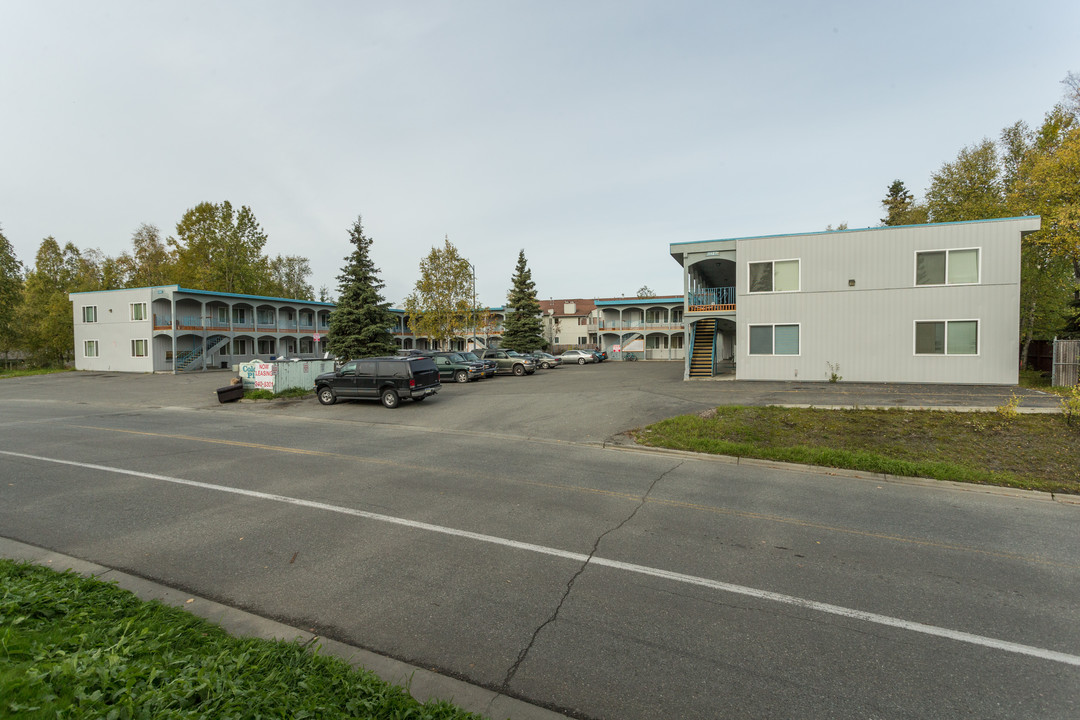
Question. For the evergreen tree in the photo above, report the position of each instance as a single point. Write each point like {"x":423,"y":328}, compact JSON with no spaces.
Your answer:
{"x":360,"y":325}
{"x":523,"y":321}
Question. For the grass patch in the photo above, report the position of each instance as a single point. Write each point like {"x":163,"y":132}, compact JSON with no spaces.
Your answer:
{"x":79,"y":648}
{"x":1038,"y":380}
{"x":26,"y":372}
{"x":263,"y":394}
{"x":1035,"y":452}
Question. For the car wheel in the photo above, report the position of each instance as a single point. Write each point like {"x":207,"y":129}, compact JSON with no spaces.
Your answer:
{"x":326,"y":395}
{"x":546,"y":366}
{"x":519,"y":370}
{"x":581,"y":361}
{"x":461,"y":376}
{"x":390,"y":398}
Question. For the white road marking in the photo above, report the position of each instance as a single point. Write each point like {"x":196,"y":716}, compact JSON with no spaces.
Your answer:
{"x":838,"y":610}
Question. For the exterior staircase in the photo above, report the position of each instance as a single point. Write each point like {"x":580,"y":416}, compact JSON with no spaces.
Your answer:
{"x":704,"y":351}
{"x":194,"y":360}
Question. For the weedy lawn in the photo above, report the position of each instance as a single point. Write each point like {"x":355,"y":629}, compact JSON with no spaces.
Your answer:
{"x":79,"y":648}
{"x":1037,"y":452}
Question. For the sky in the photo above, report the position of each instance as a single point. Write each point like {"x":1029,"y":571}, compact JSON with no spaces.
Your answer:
{"x":591,"y":134}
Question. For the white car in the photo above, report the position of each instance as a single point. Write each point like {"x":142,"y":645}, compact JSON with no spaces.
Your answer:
{"x":578,"y":356}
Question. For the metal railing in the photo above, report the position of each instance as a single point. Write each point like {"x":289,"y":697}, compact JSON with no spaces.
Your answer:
{"x":710,"y":297}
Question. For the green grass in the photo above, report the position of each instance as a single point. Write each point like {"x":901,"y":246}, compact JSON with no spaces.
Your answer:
{"x":262,"y":394}
{"x":25,"y":372}
{"x":1036,"y":452}
{"x":73,"y":647}
{"x":1038,"y":380}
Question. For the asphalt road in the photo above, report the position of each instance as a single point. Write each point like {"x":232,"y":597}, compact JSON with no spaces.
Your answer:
{"x":497,"y":534}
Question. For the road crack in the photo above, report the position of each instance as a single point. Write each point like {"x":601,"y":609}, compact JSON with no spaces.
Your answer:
{"x":570,"y":583}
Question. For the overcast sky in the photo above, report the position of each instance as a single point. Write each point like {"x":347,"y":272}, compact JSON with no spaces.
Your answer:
{"x":590,"y":134}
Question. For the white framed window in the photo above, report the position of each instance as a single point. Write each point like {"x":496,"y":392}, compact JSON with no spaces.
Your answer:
{"x":948,"y":267}
{"x":946,"y":337}
{"x":140,"y":348}
{"x":583,"y":341}
{"x":138,"y":311}
{"x":223,"y":315}
{"x":266,"y":346}
{"x":90,"y":348}
{"x":89,"y":313}
{"x":774,"y":276}
{"x":240,"y":347}
{"x":779,"y":339}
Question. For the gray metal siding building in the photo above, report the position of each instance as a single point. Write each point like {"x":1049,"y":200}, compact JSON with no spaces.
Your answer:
{"x":932,"y":303}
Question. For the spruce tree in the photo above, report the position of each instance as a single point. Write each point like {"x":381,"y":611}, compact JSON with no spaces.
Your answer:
{"x":360,"y":325}
{"x":523,"y":322}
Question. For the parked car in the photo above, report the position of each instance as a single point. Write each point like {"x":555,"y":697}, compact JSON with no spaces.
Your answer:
{"x":455,"y":366}
{"x":579,"y":356}
{"x":490,"y":366}
{"x":387,"y":379}
{"x":508,"y":363}
{"x":602,"y":354}
{"x":546,"y":360}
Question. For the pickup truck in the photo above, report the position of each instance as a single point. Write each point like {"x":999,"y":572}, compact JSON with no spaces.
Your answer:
{"x":507,"y":363}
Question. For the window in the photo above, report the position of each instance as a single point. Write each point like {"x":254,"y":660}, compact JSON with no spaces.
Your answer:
{"x":140,"y":348}
{"x":947,"y":337}
{"x":774,"y":339}
{"x":239,"y":316}
{"x":89,"y":313}
{"x":223,"y":315}
{"x":138,"y":311}
{"x":583,"y":341}
{"x":266,"y":347}
{"x":774,"y":276}
{"x":947,"y":267}
{"x":90,"y":348}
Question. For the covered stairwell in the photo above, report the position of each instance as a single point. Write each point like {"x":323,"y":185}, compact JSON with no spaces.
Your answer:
{"x":194,"y":360}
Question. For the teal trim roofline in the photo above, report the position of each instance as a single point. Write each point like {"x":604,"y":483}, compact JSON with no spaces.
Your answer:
{"x":178,"y":289}
{"x":852,"y":230}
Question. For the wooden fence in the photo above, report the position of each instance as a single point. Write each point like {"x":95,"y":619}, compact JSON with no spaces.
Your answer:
{"x":1066,"y":363}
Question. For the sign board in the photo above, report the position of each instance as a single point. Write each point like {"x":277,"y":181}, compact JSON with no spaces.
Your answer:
{"x":317,"y":337}
{"x":616,"y":348}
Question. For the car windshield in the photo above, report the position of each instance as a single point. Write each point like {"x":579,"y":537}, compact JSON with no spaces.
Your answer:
{"x":471,"y":357}
{"x":457,"y":357}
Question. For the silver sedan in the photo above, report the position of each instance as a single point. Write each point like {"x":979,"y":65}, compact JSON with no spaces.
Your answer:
{"x":578,"y":356}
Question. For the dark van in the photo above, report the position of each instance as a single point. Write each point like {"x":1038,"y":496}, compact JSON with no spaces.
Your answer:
{"x":380,"y":378}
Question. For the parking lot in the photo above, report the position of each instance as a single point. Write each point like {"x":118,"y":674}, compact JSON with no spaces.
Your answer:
{"x":590,"y":403}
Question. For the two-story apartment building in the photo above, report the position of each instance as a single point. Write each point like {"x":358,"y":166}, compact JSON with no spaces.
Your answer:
{"x":917,"y":303}
{"x":170,"y":328}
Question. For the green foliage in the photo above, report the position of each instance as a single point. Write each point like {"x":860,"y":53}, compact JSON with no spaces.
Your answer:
{"x":80,"y":648}
{"x":288,"y":278}
{"x":360,"y":324}
{"x":834,"y":372}
{"x":440,"y":305}
{"x":969,"y":188}
{"x":901,"y":207}
{"x":1070,"y":404}
{"x":1008,"y":409}
{"x":45,"y":317}
{"x":150,"y":262}
{"x":524,"y":326}
{"x":220,"y":249}
{"x":11,"y":288}
{"x":1033,"y":451}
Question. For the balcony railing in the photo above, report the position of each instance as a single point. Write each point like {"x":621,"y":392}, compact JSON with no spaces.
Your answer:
{"x":711,"y":300}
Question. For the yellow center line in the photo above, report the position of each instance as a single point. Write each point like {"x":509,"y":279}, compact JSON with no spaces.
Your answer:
{"x":630,"y":497}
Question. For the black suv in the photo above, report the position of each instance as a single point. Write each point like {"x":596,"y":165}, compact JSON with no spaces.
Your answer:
{"x":380,"y":378}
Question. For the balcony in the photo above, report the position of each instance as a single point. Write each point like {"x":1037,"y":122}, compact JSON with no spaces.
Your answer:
{"x":711,"y":300}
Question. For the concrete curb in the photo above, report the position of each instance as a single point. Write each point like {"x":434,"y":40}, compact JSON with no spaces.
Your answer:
{"x":422,"y":684}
